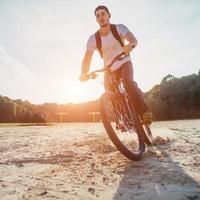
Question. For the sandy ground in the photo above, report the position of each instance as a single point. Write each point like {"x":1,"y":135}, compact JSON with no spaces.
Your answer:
{"x":78,"y":161}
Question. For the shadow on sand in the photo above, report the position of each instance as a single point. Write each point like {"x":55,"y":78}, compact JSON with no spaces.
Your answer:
{"x":157,"y":176}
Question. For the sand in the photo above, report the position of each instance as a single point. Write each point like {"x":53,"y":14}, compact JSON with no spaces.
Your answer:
{"x":78,"y":161}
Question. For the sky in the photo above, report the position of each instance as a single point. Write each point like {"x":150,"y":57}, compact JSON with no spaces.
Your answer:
{"x":42,"y":44}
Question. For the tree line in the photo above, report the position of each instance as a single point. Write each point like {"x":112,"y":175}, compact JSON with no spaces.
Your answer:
{"x":173,"y":98}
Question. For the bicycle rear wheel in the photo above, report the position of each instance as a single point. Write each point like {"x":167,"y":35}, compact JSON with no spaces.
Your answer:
{"x":148,"y":137}
{"x":122,"y":125}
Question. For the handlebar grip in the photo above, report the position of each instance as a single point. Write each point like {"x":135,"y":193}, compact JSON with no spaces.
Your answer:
{"x":93,"y":75}
{"x":85,"y":78}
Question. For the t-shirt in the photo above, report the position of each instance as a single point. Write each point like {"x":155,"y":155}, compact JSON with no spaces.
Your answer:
{"x":110,"y":46}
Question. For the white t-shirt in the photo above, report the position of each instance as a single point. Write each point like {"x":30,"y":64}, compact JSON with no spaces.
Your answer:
{"x":110,"y":46}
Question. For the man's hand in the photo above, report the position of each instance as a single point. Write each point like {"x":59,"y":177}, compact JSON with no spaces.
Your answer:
{"x":128,"y":48}
{"x":83,"y":77}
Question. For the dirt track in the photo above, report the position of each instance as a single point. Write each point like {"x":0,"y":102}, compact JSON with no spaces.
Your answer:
{"x":78,"y":161}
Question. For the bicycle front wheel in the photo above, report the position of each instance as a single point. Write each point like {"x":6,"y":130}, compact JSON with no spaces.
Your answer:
{"x":122,"y":125}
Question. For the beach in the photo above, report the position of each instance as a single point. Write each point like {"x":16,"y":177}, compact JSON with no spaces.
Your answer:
{"x":78,"y":161}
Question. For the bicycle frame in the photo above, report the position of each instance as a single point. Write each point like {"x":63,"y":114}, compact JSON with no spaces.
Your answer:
{"x":117,"y":87}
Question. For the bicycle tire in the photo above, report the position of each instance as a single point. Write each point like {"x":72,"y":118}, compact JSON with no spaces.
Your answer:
{"x":148,"y":137}
{"x":136,"y":155}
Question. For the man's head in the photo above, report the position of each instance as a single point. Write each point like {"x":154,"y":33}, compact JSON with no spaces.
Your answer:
{"x":102,"y":15}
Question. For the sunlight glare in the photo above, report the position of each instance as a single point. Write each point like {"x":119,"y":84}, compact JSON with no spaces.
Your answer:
{"x":83,"y":91}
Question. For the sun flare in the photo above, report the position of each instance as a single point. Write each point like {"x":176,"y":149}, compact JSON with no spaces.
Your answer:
{"x":78,"y":91}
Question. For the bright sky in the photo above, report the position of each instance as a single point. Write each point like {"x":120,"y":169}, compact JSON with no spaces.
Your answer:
{"x":42,"y":43}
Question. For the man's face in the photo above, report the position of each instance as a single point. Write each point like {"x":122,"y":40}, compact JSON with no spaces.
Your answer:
{"x":102,"y":17}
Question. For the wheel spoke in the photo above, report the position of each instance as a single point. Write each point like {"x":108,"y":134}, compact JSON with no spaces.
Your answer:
{"x":124,"y":126}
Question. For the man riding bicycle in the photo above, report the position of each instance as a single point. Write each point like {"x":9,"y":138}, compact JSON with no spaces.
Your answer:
{"x":109,"y":40}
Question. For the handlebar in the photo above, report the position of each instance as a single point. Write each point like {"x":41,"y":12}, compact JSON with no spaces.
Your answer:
{"x":93,"y":74}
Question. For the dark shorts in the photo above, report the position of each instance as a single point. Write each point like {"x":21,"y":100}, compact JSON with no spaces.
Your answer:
{"x":125,"y":72}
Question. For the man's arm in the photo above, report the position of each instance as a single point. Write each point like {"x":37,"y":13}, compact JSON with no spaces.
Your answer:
{"x":86,"y":64}
{"x":132,"y":42}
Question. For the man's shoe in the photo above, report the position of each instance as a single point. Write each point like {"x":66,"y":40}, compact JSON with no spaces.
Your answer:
{"x":147,"y":118}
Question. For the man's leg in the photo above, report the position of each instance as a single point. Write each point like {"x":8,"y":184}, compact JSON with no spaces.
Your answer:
{"x":108,"y":80}
{"x":126,"y":73}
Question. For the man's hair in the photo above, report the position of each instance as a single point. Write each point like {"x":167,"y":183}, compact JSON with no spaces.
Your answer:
{"x":101,"y":7}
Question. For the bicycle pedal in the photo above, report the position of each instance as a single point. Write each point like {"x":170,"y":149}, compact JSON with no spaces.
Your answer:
{"x":121,"y":127}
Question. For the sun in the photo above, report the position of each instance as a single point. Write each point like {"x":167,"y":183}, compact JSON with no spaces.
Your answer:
{"x":77,"y":92}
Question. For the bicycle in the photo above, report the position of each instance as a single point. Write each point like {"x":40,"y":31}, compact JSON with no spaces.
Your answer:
{"x":124,"y":127}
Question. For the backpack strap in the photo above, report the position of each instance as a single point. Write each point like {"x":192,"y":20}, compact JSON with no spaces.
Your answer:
{"x":115,"y":34}
{"x":98,"y":43}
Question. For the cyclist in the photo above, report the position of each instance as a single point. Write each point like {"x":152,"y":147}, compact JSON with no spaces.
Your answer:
{"x":109,"y":40}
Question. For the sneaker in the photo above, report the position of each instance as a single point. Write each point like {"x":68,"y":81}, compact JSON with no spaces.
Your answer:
{"x":147,"y":118}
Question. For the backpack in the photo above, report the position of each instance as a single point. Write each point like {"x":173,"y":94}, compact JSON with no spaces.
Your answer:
{"x":115,"y":34}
